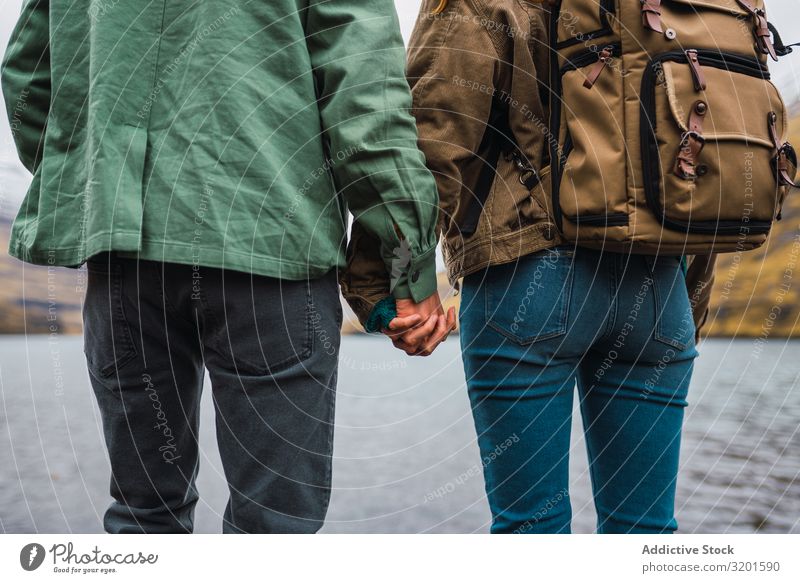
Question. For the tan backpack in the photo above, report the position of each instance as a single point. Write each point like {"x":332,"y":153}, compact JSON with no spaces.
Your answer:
{"x":667,"y":136}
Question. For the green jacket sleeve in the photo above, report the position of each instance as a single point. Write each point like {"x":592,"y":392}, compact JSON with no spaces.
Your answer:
{"x":26,"y":81}
{"x":358,"y":60}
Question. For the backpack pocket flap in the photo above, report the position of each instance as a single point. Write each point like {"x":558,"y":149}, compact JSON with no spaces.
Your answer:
{"x":586,"y":192}
{"x":737,"y":105}
{"x":728,"y":25}
{"x":707,"y":148}
{"x":581,"y":21}
{"x":729,"y":6}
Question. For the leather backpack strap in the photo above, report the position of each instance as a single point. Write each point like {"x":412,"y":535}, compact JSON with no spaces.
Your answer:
{"x":651,"y":15}
{"x":603,"y":58}
{"x":761,"y":31}
{"x":692,"y":143}
{"x":782,"y":167}
{"x":697,"y":72}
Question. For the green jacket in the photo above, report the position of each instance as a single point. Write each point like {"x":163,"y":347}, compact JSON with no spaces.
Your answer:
{"x":220,"y":133}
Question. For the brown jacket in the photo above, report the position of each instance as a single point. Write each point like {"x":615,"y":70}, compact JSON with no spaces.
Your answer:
{"x":478,"y":71}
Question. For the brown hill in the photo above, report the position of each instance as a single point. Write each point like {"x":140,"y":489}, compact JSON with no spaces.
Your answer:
{"x":757,"y":293}
{"x":37,"y":300}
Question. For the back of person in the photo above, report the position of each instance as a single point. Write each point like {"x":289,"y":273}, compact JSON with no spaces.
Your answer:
{"x":200,"y":157}
{"x":224,"y":133}
{"x":540,"y":315}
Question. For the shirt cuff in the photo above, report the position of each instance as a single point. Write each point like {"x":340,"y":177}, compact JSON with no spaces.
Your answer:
{"x":418,"y":280}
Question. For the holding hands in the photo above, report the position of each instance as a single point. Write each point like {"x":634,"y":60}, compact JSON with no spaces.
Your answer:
{"x":420,"y":327}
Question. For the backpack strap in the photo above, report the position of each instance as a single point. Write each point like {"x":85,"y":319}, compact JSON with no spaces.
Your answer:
{"x":651,"y":15}
{"x":496,"y":137}
{"x":762,"y":30}
{"x":698,"y":77}
{"x":603,"y":58}
{"x":782,"y":167}
{"x":780,"y":49}
{"x":692,"y":143}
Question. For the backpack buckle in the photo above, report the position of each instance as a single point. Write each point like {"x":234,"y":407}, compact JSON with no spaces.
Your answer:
{"x":760,"y":29}
{"x":785,"y":163}
{"x":692,"y":143}
{"x":785,"y":160}
{"x":528,"y":176}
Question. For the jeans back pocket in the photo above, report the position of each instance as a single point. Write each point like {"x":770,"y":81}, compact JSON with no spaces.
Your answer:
{"x":259,"y":325}
{"x":674,"y":324}
{"x":528,"y":300}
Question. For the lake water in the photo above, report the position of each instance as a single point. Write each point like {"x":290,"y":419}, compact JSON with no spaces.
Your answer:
{"x":405,"y":453}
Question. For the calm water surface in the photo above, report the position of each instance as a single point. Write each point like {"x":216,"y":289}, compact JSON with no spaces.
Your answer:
{"x":405,"y":453}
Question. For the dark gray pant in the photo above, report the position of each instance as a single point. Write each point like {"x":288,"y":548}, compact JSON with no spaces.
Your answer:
{"x":271,"y":348}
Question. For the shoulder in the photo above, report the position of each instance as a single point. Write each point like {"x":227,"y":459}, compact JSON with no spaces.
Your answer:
{"x":501,"y":21}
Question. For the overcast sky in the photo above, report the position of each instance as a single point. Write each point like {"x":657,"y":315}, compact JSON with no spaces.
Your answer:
{"x":785,"y":14}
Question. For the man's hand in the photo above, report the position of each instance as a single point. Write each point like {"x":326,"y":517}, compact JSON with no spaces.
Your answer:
{"x":419,"y":328}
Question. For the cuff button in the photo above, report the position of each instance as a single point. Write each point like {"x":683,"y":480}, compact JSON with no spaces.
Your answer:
{"x":415,"y":276}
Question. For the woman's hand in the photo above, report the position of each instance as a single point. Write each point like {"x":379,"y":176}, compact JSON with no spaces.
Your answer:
{"x":420,"y":327}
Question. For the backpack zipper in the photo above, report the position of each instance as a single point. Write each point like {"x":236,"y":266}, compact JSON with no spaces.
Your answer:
{"x":581,"y":59}
{"x":606,"y":8}
{"x":603,"y":58}
{"x":588,"y":56}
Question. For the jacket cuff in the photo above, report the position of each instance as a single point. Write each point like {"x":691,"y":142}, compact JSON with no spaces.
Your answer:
{"x":418,"y":280}
{"x":363,"y":300}
{"x":382,"y":313}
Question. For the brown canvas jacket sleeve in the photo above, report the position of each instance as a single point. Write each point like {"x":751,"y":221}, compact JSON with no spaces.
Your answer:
{"x":364,"y":281}
{"x":699,"y":281}
{"x":454,"y":70}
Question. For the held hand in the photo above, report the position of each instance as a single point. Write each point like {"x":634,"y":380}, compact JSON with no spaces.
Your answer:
{"x":420,"y":327}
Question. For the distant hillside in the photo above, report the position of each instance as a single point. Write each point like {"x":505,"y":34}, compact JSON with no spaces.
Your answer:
{"x":40,"y":300}
{"x":37,"y":300}
{"x":757,"y":293}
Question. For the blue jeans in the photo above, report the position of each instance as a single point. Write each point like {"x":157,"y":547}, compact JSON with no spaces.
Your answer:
{"x":619,"y":325}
